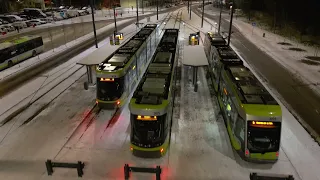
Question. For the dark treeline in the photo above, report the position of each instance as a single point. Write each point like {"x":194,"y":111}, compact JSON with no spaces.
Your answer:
{"x":301,"y":15}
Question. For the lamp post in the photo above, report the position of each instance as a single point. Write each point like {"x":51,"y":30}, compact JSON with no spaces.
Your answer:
{"x":157,"y":9}
{"x":137,"y":12}
{"x":202,"y":13}
{"x":115,"y":19}
{"x":220,"y":16}
{"x":93,"y":23}
{"x":230,"y":27}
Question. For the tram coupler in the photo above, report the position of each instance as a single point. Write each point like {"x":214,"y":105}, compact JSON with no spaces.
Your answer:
{"x":50,"y":165}
{"x":128,"y":169}
{"x":260,"y":176}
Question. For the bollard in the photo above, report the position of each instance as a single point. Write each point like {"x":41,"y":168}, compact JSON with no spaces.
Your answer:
{"x":264,"y":35}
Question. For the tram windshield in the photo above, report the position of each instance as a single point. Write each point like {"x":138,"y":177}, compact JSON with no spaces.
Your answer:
{"x":263,"y":136}
{"x":110,"y":89}
{"x":147,"y":133}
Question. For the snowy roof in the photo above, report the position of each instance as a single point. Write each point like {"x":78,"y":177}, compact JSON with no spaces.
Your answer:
{"x":98,"y":56}
{"x":161,"y":63}
{"x":194,"y":56}
{"x":216,"y":39}
{"x":123,"y":55}
{"x":155,"y":85}
{"x":251,"y":90}
{"x":228,"y":56}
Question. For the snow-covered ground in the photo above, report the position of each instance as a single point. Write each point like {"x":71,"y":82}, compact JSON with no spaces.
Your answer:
{"x":200,"y":147}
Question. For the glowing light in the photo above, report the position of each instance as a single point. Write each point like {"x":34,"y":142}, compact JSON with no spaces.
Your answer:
{"x":150,"y":118}
{"x":247,"y":152}
{"x":133,"y":67}
{"x":161,"y":150}
{"x":237,"y":78}
{"x":118,"y":102}
{"x":107,"y":79}
{"x":225,"y":91}
{"x":96,"y":102}
{"x":262,"y":123}
{"x":131,"y":148}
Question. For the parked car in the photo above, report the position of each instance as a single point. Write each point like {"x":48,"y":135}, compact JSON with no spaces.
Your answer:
{"x":81,"y":12}
{"x":34,"y":12}
{"x":63,"y":14}
{"x":7,"y":18}
{"x":3,"y":22}
{"x":87,"y":9}
{"x":18,"y":18}
{"x":3,"y":29}
{"x":48,"y":19}
{"x":8,"y":27}
{"x":57,"y":16}
{"x":25,"y":17}
{"x":35,"y":22}
{"x":20,"y":24}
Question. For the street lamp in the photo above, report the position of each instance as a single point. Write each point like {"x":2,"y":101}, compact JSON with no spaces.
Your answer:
{"x":230,"y":27}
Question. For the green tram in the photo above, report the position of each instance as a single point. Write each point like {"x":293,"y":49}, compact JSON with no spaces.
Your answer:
{"x":152,"y":102}
{"x":119,"y":74}
{"x":252,"y":116}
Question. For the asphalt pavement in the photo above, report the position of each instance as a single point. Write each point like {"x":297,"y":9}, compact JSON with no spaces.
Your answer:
{"x":298,"y":95}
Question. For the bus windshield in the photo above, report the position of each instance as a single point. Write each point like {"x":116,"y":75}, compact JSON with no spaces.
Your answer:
{"x":147,"y":133}
{"x":110,"y":89}
{"x":262,"y":139}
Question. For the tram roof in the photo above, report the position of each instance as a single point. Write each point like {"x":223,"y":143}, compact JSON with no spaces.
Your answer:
{"x":123,"y":55}
{"x":216,"y":39}
{"x":228,"y":56}
{"x":251,"y":90}
{"x":154,"y":87}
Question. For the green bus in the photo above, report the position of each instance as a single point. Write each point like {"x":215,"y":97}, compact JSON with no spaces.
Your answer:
{"x":19,"y":49}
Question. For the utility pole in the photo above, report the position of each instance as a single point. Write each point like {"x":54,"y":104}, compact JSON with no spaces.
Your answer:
{"x":115,"y":19}
{"x":93,"y":23}
{"x":202,"y":13}
{"x":142,"y":7}
{"x":220,"y":16}
{"x":137,"y":12}
{"x":190,"y":9}
{"x":157,"y":8}
{"x":230,"y":28}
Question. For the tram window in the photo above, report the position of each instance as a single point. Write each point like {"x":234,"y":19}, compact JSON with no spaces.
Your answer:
{"x":110,"y":90}
{"x":239,"y":129}
{"x":148,"y":132}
